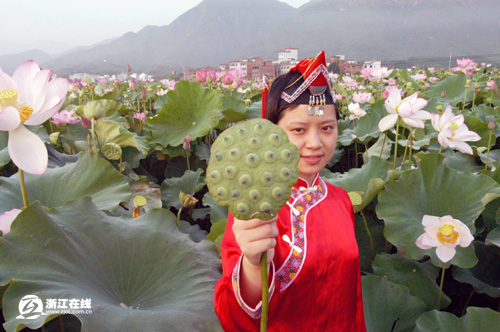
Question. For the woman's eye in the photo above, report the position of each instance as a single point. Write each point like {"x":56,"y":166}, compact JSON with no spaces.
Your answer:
{"x":328,"y":128}
{"x":298,"y":130}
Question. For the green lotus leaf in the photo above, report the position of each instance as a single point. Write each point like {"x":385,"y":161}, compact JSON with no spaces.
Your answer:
{"x":381,"y":148}
{"x":454,"y":85}
{"x":420,"y":278}
{"x":365,"y":239}
{"x":475,"y":320}
{"x":485,"y":275}
{"x":189,"y":183}
{"x":370,"y":179}
{"x":217,"y":233}
{"x":118,"y":90}
{"x":108,"y":131}
{"x":217,"y":212}
{"x":254,"y":111}
{"x":460,"y":161}
{"x":4,"y":152}
{"x":139,"y":274}
{"x":89,"y":176}
{"x":366,"y":128}
{"x":481,"y":128}
{"x":494,"y":237}
{"x":389,"y":306}
{"x":433,"y":189}
{"x":234,"y":111}
{"x":190,"y":110}
{"x":100,"y":108}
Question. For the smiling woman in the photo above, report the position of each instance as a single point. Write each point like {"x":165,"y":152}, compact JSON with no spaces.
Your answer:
{"x":310,"y":245}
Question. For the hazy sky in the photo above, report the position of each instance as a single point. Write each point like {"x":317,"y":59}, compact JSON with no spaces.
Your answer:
{"x":85,"y":22}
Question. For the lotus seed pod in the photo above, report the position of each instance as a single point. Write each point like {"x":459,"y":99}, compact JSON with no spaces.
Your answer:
{"x":252,"y":169}
{"x":112,"y":151}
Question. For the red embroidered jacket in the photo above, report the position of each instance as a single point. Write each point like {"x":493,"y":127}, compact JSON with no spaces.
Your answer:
{"x":317,"y":289}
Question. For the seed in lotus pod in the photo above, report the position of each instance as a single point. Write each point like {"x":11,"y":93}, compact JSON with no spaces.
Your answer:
{"x":242,"y":132}
{"x":235,"y":193}
{"x":242,"y":208}
{"x":228,"y":140}
{"x":215,"y":175}
{"x":285,"y":173}
{"x":218,"y":156}
{"x":277,"y":192}
{"x":286,"y":155}
{"x":251,"y":159}
{"x":259,"y":128}
{"x":245,"y":180}
{"x":267,"y":178}
{"x":254,"y":194}
{"x":230,"y":172}
{"x":222,"y":192}
{"x":234,"y":154}
{"x":254,"y":142}
{"x":274,"y":139}
{"x":269,"y":156}
{"x":265,"y":207}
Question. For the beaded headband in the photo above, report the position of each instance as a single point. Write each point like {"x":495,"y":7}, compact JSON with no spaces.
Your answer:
{"x":315,"y":88}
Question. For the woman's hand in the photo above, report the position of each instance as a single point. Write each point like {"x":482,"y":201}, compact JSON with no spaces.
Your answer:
{"x":255,"y":236}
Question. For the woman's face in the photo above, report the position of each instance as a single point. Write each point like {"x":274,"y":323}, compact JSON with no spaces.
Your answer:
{"x":315,"y":136}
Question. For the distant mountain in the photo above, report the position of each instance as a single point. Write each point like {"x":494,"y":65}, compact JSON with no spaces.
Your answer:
{"x":10,"y":62}
{"x":218,"y":31}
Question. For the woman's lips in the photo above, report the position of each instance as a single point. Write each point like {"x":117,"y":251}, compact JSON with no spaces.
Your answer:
{"x":312,"y":159}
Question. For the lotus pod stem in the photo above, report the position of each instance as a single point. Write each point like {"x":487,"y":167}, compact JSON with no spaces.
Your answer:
{"x":251,"y":170}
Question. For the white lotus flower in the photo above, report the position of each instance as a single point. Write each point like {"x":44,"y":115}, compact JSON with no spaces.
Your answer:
{"x":409,"y":109}
{"x":380,"y":73}
{"x":29,"y":97}
{"x":6,"y":220}
{"x":444,"y":234}
{"x":453,"y":132}
{"x":356,"y":111}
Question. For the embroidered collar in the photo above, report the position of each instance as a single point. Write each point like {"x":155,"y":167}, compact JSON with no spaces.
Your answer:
{"x":303,"y":198}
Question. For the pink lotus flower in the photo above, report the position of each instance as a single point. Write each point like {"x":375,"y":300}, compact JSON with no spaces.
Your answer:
{"x":64,"y":117}
{"x":6,"y":220}
{"x":366,"y":73}
{"x":211,"y":76}
{"x":409,"y":109}
{"x":362,"y":97}
{"x":466,"y":66}
{"x":29,"y":97}
{"x":380,"y":73}
{"x":201,"y":76}
{"x":444,"y":234}
{"x":419,"y":76}
{"x":453,"y":132}
{"x":140,"y":116}
{"x":169,"y":84}
{"x":491,"y":85}
{"x":227,"y":79}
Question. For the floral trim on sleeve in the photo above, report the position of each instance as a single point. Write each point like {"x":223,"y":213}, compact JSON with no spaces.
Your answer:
{"x":304,"y":199}
{"x":252,"y":312}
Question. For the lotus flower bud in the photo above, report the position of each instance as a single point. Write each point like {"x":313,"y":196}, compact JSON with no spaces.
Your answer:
{"x":143,"y":93}
{"x":491,"y":124}
{"x":227,"y":79}
{"x":443,"y":94}
{"x":129,"y":69}
{"x":187,"y":200}
{"x":134,"y":86}
{"x":186,"y":143}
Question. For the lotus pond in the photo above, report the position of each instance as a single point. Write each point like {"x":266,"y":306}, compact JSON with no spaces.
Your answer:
{"x":120,"y":233}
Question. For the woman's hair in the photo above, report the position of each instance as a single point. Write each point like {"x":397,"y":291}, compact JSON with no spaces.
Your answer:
{"x":274,"y":111}
{"x":275,"y":105}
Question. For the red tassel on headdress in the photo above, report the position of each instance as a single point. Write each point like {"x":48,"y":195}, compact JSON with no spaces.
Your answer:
{"x":265,"y":92}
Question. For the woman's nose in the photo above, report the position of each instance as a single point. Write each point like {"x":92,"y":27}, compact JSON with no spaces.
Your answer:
{"x":313,"y":140}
